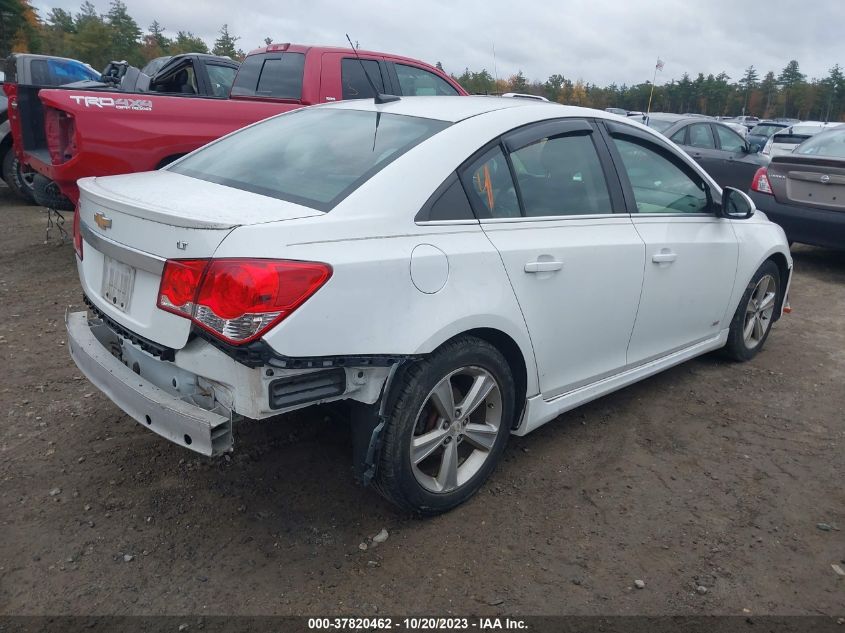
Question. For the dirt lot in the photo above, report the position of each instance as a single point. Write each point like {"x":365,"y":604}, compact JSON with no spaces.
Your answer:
{"x":712,"y":474}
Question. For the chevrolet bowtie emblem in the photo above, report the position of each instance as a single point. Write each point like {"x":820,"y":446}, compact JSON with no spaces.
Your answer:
{"x":102,"y":220}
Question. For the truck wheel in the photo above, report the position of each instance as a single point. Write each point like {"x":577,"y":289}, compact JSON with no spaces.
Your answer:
{"x":47,"y":194}
{"x":447,"y":428}
{"x":18,"y":177}
{"x":754,"y":316}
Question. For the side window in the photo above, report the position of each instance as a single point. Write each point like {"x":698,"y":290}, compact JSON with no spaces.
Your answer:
{"x":221,"y":78}
{"x":561,"y":176}
{"x":661,"y":184}
{"x":728,"y":139}
{"x":451,"y":204}
{"x":490,"y":187}
{"x":355,"y":84}
{"x":417,"y":82}
{"x":64,"y":72}
{"x":679,"y":137}
{"x":701,"y":136}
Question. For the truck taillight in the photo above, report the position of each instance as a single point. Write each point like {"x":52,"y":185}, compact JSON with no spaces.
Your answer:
{"x":60,"y":131}
{"x":761,"y":183}
{"x":77,"y":233}
{"x":238,"y":300}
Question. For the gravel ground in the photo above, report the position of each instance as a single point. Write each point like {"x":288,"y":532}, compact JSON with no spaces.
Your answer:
{"x":717,"y":485}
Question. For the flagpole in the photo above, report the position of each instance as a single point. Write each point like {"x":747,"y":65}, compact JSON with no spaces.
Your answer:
{"x":651,"y":94}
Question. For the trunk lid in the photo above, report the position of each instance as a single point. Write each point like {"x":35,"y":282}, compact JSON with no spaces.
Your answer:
{"x":131,"y":224}
{"x":809,"y":181}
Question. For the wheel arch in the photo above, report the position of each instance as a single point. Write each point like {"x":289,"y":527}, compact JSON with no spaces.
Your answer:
{"x":514,"y":356}
{"x":781,"y":262}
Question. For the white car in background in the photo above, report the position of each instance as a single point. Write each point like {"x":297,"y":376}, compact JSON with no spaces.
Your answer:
{"x":781,"y":143}
{"x":458,"y":270}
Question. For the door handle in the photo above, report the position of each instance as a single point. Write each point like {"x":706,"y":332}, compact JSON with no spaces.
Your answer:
{"x":666,"y":257}
{"x":696,"y":155}
{"x":543,"y":267}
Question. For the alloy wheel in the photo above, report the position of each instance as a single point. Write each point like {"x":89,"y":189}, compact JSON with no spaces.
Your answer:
{"x":758,"y":312}
{"x":456,"y":429}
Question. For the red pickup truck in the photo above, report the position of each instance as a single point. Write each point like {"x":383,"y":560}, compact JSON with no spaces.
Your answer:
{"x":67,"y":134}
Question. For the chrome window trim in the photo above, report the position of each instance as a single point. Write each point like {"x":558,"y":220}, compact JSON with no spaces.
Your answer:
{"x":121,"y":252}
{"x":551,"y":218}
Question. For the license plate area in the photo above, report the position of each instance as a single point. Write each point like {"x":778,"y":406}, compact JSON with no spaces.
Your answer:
{"x":118,"y":281}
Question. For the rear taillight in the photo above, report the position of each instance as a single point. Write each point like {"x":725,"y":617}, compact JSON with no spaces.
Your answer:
{"x":761,"y":183}
{"x":60,"y":131}
{"x":238,"y":300}
{"x":77,"y":234}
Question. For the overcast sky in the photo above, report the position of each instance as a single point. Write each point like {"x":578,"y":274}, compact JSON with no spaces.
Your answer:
{"x":599,"y":41}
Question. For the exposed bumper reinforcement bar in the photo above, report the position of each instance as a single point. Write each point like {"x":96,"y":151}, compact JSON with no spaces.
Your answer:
{"x":208,"y":432}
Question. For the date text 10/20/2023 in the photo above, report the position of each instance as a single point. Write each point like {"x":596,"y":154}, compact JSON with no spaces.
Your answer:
{"x":417,"y":624}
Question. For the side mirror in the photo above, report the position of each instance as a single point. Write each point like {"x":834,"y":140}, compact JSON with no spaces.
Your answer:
{"x":736,"y":205}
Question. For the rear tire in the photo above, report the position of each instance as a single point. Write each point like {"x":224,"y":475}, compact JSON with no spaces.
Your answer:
{"x":47,"y":194}
{"x":449,"y":422}
{"x":18,"y":177}
{"x":755,"y":314}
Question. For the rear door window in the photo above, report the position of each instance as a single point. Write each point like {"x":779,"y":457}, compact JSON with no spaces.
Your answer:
{"x":729,"y":140}
{"x":273,"y":75}
{"x":417,"y":82}
{"x":355,"y":84}
{"x":561,"y":176}
{"x":701,"y":136}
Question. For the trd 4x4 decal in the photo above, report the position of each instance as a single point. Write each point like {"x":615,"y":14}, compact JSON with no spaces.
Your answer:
{"x":143,"y":105}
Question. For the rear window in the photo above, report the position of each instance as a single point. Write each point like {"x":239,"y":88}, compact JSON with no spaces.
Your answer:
{"x":766,"y":130}
{"x":661,"y":125}
{"x":314,"y":157}
{"x":272,"y":75}
{"x":828,"y":144}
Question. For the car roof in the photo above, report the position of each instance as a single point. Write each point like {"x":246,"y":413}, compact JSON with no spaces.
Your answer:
{"x":454,"y":109}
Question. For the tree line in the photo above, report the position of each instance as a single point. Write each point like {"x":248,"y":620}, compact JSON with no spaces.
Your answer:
{"x":100,"y":38}
{"x":786,"y":94}
{"x":97,"y":38}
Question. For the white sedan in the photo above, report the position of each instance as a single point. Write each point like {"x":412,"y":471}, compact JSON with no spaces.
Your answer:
{"x":456,"y":269}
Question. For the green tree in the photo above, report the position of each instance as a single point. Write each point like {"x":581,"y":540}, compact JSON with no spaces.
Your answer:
{"x":748,"y":81}
{"x":225,"y":43}
{"x":92,"y":41}
{"x":126,"y":35}
{"x":187,"y":42}
{"x":12,"y":19}
{"x":518,"y":83}
{"x":553,"y":86}
{"x":789,"y":79}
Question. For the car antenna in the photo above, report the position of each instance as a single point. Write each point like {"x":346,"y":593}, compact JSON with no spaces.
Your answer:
{"x":379,"y":96}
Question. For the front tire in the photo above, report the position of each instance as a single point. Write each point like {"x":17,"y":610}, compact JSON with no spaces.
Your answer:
{"x":450,"y":420}
{"x":755,"y":314}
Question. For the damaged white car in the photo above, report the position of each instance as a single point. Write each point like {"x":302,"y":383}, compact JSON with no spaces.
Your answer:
{"x":456,"y":269}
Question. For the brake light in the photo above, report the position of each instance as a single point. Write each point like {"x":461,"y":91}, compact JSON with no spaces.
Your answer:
{"x":60,"y":132}
{"x":77,"y":234}
{"x":761,"y":183}
{"x":238,"y":300}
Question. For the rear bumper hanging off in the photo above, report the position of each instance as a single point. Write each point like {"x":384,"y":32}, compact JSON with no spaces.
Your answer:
{"x":206,"y":431}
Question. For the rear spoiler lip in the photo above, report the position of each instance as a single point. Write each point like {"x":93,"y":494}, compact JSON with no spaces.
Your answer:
{"x":809,"y":161}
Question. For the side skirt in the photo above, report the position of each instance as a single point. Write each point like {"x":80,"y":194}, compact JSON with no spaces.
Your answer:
{"x":539,"y":411}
